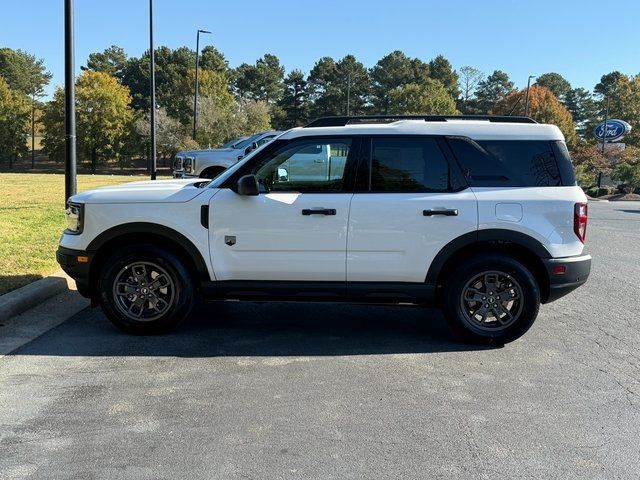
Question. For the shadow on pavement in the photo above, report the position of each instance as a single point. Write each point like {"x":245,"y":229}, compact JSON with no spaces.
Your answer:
{"x":261,"y":329}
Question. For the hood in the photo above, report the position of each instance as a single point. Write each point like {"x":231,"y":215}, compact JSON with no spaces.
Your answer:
{"x":151,"y":191}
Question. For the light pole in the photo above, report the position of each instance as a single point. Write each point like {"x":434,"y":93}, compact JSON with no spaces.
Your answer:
{"x":195,"y":100}
{"x":606,"y":115}
{"x":152,"y":109}
{"x":69,"y":104}
{"x":33,"y":129}
{"x":348,"y":94}
{"x":526,"y":100}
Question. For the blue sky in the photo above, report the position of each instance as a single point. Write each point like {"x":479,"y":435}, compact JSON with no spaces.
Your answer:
{"x":579,"y":39}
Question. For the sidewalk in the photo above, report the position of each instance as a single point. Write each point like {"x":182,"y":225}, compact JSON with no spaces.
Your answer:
{"x":30,"y":311}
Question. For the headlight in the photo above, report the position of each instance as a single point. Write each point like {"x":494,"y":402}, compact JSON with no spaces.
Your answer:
{"x":75,"y":218}
{"x":189,"y":165}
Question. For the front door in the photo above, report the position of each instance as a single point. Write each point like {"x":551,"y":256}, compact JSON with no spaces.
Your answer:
{"x":415,"y":202}
{"x":296,"y":228}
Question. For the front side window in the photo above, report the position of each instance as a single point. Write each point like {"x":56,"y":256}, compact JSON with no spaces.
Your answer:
{"x":404,"y":164}
{"x":247,"y":141}
{"x":264,"y":140}
{"x":305,"y":166}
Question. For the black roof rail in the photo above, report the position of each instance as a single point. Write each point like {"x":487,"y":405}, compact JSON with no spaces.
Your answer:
{"x":343,"y":120}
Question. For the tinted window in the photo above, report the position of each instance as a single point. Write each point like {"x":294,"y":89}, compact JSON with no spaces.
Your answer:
{"x":408,"y":165}
{"x":313,"y":165}
{"x":507,"y":162}
{"x":565,"y":165}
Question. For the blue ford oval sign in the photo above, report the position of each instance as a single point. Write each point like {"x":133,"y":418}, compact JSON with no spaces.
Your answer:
{"x":614,"y":130}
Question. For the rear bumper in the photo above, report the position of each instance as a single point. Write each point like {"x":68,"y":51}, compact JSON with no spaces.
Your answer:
{"x":76,"y":269}
{"x":576,"y":272}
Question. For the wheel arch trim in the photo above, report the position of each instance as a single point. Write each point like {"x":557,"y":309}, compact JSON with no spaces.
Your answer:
{"x":483,"y":236}
{"x":137,"y":228}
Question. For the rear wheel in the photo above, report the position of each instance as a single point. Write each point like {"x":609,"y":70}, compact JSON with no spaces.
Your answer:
{"x":491,"y":299}
{"x":145,"y":290}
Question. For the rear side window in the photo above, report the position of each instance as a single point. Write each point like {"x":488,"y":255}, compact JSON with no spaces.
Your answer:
{"x":403,"y":164}
{"x":518,"y":163}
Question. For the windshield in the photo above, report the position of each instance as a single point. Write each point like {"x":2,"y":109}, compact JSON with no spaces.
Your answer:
{"x":231,"y":143}
{"x":247,"y":141}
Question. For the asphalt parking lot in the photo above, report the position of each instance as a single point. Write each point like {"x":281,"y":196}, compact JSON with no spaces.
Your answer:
{"x":253,"y":391}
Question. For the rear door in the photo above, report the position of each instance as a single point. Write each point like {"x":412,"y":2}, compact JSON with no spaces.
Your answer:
{"x":412,"y":202}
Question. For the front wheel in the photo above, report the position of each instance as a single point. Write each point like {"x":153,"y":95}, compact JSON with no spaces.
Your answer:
{"x":145,"y":290}
{"x":491,"y":299}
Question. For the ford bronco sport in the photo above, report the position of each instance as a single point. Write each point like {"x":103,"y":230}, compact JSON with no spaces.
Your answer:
{"x":479,"y":215}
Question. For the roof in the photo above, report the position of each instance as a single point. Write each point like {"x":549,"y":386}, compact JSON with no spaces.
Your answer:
{"x":474,"y":129}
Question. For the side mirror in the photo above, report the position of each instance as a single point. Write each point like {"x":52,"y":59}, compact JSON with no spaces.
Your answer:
{"x":247,"y":185}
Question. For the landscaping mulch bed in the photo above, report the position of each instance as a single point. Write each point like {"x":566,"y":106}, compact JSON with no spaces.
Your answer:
{"x":618,"y":197}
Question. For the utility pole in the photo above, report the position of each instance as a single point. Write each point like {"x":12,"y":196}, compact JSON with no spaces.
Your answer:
{"x":70,"y":184}
{"x":195,"y":99}
{"x":526,"y":100}
{"x":152,"y":110}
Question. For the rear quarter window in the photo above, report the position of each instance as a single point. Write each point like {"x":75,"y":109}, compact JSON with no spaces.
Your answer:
{"x":517,"y":163}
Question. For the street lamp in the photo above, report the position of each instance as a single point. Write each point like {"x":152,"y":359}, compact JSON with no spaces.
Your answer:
{"x":526,"y":100}
{"x":69,"y":104}
{"x":152,"y":106}
{"x":195,"y":100}
{"x":349,"y":94}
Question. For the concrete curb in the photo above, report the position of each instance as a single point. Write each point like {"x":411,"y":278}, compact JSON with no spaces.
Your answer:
{"x":24,"y":298}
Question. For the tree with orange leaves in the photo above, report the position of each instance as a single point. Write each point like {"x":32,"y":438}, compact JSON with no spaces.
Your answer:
{"x":544,"y":107}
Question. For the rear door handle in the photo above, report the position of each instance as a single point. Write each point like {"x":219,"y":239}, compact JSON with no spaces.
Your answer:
{"x":447,"y":212}
{"x":319,"y":211}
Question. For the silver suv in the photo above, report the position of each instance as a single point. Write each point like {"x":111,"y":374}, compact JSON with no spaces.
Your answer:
{"x":210,"y":163}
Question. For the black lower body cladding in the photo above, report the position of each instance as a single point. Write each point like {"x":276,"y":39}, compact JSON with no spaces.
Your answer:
{"x":566,"y":274}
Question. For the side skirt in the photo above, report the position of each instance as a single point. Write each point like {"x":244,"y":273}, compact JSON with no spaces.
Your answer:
{"x":354,"y":292}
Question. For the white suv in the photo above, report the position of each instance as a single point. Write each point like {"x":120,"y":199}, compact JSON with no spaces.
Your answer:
{"x":480,"y":215}
{"x":210,"y":163}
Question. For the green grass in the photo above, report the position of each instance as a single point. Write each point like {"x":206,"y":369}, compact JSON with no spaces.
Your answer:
{"x":32,"y":220}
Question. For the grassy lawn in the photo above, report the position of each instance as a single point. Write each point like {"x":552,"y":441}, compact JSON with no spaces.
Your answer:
{"x":32,"y":220}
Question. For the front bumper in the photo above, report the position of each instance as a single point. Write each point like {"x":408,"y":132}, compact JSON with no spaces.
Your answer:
{"x":576,"y":272}
{"x":76,"y":264}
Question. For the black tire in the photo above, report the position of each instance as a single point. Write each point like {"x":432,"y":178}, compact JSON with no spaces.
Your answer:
{"x":212,"y":172}
{"x":168,"y":301}
{"x":516,"y":297}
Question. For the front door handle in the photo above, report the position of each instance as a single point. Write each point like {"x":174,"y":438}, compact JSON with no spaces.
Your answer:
{"x":447,"y":212}
{"x":319,"y":211}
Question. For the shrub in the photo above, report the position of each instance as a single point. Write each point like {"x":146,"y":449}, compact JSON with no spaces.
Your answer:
{"x":595,"y":192}
{"x":629,"y":174}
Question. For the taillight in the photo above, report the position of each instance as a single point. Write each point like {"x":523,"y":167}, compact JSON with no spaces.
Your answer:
{"x":580,"y":213}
